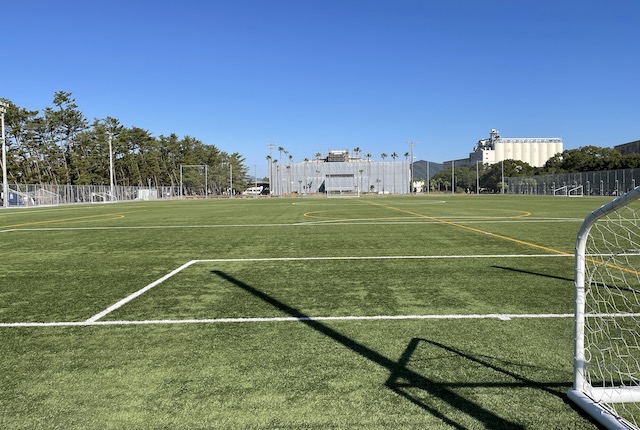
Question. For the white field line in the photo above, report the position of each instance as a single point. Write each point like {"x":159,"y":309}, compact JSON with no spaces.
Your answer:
{"x":502,"y":317}
{"x":236,"y":260}
{"x":355,"y":221}
{"x":139,"y":292}
{"x":382,"y":257}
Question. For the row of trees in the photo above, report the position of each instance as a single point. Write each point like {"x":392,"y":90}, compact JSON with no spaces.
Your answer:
{"x":584,"y":159}
{"x":60,"y":146}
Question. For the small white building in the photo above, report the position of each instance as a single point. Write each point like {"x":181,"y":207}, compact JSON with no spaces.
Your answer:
{"x":534,"y":151}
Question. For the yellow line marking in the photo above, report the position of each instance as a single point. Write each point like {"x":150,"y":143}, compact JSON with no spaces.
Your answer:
{"x":82,"y":219}
{"x":475,"y":230}
{"x":325,"y":216}
{"x":510,"y":239}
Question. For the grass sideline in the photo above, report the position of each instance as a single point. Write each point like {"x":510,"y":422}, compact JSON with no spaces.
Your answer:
{"x":273,"y":259}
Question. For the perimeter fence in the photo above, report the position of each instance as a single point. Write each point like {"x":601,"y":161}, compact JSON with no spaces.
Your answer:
{"x":602,"y":183}
{"x":51,"y":194}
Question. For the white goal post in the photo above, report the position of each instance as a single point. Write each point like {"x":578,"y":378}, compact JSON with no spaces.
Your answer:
{"x":606,"y":380}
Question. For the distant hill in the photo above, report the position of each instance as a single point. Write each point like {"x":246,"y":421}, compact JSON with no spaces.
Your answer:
{"x":420,"y":169}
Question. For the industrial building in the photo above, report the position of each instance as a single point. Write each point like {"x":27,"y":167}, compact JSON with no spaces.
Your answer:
{"x":534,"y":151}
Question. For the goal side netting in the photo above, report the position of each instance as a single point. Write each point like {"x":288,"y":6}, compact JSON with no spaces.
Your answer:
{"x":606,"y":382}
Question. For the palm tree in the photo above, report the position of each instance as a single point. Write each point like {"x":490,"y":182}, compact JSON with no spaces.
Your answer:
{"x":369,"y":170}
{"x":269,"y":165}
{"x":304,"y":175}
{"x":406,"y":157}
{"x":383,"y":156}
{"x":317,"y":177}
{"x":276,"y":182}
{"x":281,"y":150}
{"x":394,"y":156}
{"x":290,"y":167}
{"x":356,"y":151}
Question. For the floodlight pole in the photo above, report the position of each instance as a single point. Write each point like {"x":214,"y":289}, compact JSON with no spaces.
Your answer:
{"x":230,"y":180}
{"x":411,"y":167}
{"x":428,"y":179}
{"x":111,"y":186}
{"x":502,"y":170}
{"x":453,"y":178}
{"x":270,"y":162}
{"x":5,"y":186}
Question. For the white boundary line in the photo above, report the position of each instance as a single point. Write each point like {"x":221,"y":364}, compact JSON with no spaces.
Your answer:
{"x":503,"y":317}
{"x":382,"y":257}
{"x":356,"y":221}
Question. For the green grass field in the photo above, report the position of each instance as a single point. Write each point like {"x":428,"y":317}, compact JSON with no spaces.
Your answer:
{"x":431,"y":312}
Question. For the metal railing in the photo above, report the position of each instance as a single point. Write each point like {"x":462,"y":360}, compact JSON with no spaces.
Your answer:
{"x":602,"y":183}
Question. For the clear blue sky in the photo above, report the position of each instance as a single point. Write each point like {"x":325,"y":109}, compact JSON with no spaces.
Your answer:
{"x":314,"y":75}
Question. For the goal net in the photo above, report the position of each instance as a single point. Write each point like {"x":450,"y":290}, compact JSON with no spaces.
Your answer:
{"x":341,"y":185}
{"x":44,"y":197}
{"x":607,"y":314}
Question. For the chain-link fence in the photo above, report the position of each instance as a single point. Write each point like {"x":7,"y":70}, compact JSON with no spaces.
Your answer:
{"x":50,"y":194}
{"x":603,"y":183}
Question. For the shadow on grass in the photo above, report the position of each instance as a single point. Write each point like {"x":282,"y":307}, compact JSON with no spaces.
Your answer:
{"x":528,"y":272}
{"x":396,"y":380}
{"x":401,"y":378}
{"x":593,"y":282}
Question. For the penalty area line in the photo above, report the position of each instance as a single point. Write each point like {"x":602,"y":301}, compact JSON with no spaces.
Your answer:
{"x":138,"y":293}
{"x":141,"y":291}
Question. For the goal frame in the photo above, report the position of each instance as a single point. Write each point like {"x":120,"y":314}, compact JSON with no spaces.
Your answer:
{"x":591,"y":399}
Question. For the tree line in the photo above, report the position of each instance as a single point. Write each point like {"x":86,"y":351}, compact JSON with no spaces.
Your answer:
{"x":583,"y":159}
{"x":59,"y":145}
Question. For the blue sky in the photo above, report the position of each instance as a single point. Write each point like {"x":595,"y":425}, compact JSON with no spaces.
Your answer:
{"x":314,"y":75}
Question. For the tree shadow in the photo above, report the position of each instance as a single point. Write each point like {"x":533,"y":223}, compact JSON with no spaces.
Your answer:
{"x":401,"y":377}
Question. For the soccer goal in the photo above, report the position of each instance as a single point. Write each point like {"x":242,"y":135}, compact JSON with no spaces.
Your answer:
{"x":606,"y":381}
{"x":576,"y":191}
{"x":44,"y":197}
